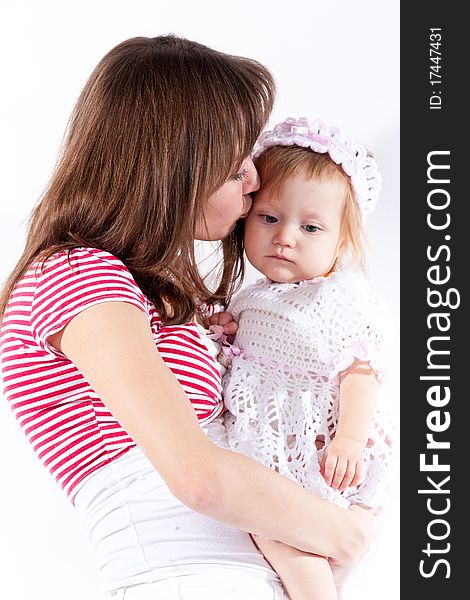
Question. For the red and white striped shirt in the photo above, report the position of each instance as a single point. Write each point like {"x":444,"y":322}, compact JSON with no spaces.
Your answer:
{"x":68,"y":426}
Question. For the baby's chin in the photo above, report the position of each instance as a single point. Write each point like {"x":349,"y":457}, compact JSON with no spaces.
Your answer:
{"x":283,"y":274}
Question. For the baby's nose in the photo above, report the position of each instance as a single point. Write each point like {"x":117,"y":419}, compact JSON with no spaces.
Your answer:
{"x":284,"y":236}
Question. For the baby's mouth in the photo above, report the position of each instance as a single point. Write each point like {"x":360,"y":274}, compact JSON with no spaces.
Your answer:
{"x":279,"y":257}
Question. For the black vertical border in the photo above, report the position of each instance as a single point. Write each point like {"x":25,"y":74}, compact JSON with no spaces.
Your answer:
{"x":424,"y":130}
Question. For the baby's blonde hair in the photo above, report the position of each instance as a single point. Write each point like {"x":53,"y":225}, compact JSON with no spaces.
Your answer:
{"x":279,"y":163}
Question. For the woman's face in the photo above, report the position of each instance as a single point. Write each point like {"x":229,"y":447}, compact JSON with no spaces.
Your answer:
{"x":229,"y":203}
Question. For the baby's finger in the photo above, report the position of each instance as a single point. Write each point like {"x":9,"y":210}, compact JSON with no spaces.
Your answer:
{"x":329,"y":468}
{"x":322,"y":464}
{"x":214,"y":319}
{"x":348,"y":476}
{"x":224,"y":318}
{"x":231,"y":328}
{"x":358,"y":475}
{"x":340,"y":470}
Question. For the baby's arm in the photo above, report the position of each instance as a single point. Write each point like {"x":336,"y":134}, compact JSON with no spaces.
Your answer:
{"x":304,"y":576}
{"x":308,"y":576}
{"x":342,"y":462}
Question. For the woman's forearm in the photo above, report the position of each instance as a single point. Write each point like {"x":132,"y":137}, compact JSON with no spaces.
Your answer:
{"x":237,"y":490}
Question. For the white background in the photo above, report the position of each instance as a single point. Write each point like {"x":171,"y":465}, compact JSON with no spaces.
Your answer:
{"x":337,"y":60}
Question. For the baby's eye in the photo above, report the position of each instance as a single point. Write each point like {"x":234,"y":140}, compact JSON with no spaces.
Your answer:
{"x":311,"y":228}
{"x":268,"y":218}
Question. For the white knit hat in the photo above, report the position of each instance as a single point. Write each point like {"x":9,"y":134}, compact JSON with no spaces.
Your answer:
{"x":356,"y":161}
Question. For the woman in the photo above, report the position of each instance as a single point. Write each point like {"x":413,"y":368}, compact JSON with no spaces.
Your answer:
{"x":100,"y":338}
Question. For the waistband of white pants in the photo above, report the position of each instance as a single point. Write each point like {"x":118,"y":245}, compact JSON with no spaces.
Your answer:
{"x":206,"y":582}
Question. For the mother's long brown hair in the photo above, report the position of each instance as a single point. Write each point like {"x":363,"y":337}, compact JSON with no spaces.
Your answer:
{"x":160,"y":125}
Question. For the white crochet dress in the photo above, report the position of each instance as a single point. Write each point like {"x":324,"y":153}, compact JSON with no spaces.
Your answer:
{"x":282,"y":388}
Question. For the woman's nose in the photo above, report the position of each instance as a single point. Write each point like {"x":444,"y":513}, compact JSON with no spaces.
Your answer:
{"x":251,"y":182}
{"x":247,"y":204}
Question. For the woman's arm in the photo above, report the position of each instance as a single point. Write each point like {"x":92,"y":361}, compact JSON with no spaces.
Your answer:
{"x":112,"y":345}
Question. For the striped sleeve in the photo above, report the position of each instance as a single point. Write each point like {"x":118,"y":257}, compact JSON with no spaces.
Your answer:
{"x":71,"y":282}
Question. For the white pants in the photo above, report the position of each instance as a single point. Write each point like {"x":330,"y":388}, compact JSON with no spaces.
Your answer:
{"x":149,"y":545}
{"x":217,"y":584}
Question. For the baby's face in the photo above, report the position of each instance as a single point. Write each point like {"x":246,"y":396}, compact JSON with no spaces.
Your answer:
{"x":297,"y":235}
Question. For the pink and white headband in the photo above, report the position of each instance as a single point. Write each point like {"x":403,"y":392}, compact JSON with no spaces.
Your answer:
{"x":356,"y":161}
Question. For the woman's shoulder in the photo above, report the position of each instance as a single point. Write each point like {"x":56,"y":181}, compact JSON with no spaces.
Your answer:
{"x":80,"y":264}
{"x":81,"y":274}
{"x":72,"y":280}
{"x":81,"y":256}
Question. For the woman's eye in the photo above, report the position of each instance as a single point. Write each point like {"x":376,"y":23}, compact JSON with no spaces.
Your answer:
{"x":240,"y":176}
{"x":311,"y":228}
{"x":269,"y":218}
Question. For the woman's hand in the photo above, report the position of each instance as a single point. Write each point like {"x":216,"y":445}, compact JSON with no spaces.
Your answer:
{"x":342,"y":568}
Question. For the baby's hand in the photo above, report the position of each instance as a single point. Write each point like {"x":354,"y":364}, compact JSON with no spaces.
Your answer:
{"x":342,"y":463}
{"x":225,"y":319}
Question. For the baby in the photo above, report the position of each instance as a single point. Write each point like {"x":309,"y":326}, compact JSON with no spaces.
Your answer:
{"x":309,"y":351}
